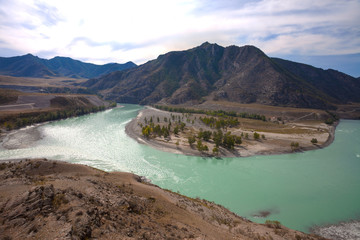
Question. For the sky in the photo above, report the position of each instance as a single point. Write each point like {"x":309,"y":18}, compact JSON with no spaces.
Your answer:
{"x":322,"y":33}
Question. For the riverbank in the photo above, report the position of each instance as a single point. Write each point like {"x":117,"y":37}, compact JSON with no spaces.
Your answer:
{"x":21,"y":138}
{"x":25,"y":137}
{"x":45,"y":199}
{"x":277,"y":138}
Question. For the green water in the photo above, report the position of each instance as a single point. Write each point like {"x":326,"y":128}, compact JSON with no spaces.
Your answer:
{"x":301,"y":190}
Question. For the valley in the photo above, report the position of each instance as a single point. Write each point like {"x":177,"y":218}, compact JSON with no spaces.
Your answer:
{"x":219,"y":115}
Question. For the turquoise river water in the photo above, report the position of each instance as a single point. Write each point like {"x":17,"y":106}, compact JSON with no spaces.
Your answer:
{"x":300,"y":190}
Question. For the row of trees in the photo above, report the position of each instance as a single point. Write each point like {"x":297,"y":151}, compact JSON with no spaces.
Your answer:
{"x":220,"y":123}
{"x":161,"y":131}
{"x":217,"y":113}
{"x":25,"y":119}
{"x":226,"y":140}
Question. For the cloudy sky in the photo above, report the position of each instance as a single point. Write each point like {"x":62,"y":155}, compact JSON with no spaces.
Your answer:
{"x":323,"y":33}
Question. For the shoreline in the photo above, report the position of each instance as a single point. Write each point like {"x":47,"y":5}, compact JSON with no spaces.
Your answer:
{"x":30,"y":134}
{"x":48,"y":199}
{"x":348,"y":229}
{"x":132,"y":130}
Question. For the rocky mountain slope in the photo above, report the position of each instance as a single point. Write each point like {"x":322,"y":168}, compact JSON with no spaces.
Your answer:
{"x":236,"y":74}
{"x":41,"y":199}
{"x":32,"y":66}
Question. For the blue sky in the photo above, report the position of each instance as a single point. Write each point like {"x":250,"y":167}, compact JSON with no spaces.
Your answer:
{"x":322,"y":33}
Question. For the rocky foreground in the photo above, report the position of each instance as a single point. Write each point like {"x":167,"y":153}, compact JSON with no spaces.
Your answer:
{"x":42,"y":199}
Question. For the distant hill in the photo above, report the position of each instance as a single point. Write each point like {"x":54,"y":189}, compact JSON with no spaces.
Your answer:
{"x":32,"y":66}
{"x":238,"y":74}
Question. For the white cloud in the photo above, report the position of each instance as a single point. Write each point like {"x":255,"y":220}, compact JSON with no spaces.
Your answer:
{"x":140,"y":30}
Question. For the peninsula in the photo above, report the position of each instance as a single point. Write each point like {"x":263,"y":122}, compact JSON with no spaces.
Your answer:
{"x":222,"y":133}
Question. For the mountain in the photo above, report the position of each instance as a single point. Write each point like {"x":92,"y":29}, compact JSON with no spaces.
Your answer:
{"x":24,"y":66}
{"x":239,"y":74}
{"x":32,"y":66}
{"x":340,"y":86}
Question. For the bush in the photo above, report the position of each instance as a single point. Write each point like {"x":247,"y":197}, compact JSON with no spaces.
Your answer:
{"x":329,"y":121}
{"x":294,"y":146}
{"x":314,"y":141}
{"x":273,"y":224}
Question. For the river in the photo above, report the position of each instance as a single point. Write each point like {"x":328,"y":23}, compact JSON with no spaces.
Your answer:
{"x":300,"y":190}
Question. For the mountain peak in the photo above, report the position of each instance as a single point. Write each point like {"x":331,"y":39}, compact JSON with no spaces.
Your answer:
{"x":29,"y":55}
{"x":205,"y":44}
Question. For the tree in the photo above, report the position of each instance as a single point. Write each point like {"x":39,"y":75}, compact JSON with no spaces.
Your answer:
{"x":157,"y":130}
{"x":263,"y":136}
{"x":206,"y":135}
{"x":176,"y":130}
{"x":182,"y":126}
{"x":215,"y":151}
{"x":229,"y":141}
{"x":205,"y":148}
{"x":201,"y":147}
{"x":256,"y":136}
{"x":146,"y":131}
{"x":238,"y":140}
{"x":165,"y":132}
{"x":218,"y":137}
{"x":314,"y":141}
{"x":191,"y":140}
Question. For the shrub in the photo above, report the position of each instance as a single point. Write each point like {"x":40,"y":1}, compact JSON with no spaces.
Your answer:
{"x":273,"y":224}
{"x":329,"y":121}
{"x":314,"y":141}
{"x":294,"y":145}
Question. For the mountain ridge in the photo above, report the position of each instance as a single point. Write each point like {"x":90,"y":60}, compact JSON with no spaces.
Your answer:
{"x":32,"y":66}
{"x":238,"y":74}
